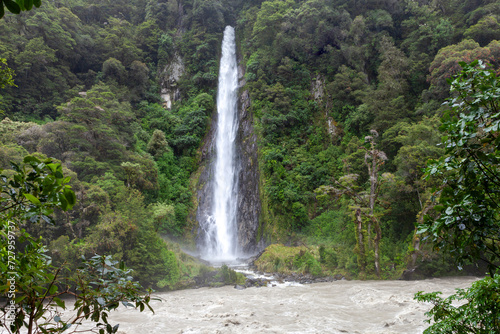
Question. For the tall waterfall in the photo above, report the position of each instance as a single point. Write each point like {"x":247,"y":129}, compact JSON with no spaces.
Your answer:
{"x":221,"y":228}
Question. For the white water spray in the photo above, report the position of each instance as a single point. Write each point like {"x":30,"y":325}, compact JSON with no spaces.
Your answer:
{"x":221,"y":237}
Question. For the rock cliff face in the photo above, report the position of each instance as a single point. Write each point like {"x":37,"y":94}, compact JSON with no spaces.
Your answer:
{"x":249,"y":206}
{"x":318,"y":92}
{"x":204,"y":190}
{"x":169,"y":78}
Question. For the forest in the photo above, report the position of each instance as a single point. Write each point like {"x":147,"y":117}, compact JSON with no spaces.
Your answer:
{"x":346,"y":96}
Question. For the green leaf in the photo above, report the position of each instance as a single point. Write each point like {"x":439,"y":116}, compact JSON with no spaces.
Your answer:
{"x":30,"y":158}
{"x":70,"y":197}
{"x":12,"y":6}
{"x":28,"y":4}
{"x":439,"y":208}
{"x":64,"y":202}
{"x":32,"y":199}
{"x":53,"y":167}
{"x":17,"y":300}
{"x":37,"y":3}
{"x":21,"y":4}
{"x":59,"y":302}
{"x":127,"y":304}
{"x":2,"y":11}
{"x":53,"y":289}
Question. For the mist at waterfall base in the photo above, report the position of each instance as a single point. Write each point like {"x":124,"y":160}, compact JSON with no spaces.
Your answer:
{"x":220,"y":242}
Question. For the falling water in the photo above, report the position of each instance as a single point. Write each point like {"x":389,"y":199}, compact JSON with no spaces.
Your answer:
{"x":220,"y":232}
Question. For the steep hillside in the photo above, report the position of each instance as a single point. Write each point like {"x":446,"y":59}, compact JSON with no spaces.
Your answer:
{"x":342,"y":97}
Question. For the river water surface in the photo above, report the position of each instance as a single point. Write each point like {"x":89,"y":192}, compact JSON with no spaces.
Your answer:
{"x":337,"y":307}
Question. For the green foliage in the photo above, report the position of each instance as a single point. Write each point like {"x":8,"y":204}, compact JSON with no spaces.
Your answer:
{"x":446,"y":63}
{"x":485,"y":31}
{"x":467,"y":225}
{"x":6,"y":74}
{"x":229,"y":276}
{"x":467,"y":206}
{"x":163,"y":216}
{"x":33,"y":192}
{"x":113,"y":69}
{"x":478,"y":310}
{"x":281,"y":259}
{"x":320,"y":73}
{"x":305,"y":262}
{"x":32,"y":285}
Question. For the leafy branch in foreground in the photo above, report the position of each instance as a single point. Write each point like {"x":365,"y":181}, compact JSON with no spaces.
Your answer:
{"x":469,"y":205}
{"x":32,"y":286}
{"x":479,"y":310}
{"x":17,"y":6}
{"x":467,"y":225}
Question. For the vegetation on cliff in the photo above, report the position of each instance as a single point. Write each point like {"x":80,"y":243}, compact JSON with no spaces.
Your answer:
{"x":322,"y":75}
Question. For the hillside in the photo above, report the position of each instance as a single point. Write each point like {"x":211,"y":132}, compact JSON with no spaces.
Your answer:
{"x":345,"y":99}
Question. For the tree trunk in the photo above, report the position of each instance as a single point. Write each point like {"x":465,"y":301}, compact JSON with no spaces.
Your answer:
{"x":376,"y":245}
{"x":361,"y":245}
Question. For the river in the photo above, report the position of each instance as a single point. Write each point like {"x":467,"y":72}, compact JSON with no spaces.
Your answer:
{"x":364,"y":307}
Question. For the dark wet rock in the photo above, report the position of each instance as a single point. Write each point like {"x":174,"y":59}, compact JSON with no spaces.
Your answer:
{"x":256,"y":282}
{"x":249,"y":206}
{"x":304,"y":278}
{"x":240,"y":287}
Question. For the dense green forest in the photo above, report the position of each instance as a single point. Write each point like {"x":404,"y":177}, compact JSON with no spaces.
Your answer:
{"x":346,"y":98}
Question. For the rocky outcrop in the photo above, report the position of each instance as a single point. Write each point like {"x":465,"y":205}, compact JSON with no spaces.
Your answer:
{"x":318,"y":93}
{"x":169,"y":77}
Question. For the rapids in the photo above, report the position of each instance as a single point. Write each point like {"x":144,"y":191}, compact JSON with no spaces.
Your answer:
{"x":364,"y":307}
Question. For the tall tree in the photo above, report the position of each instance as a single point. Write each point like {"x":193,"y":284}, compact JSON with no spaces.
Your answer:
{"x":367,"y":203}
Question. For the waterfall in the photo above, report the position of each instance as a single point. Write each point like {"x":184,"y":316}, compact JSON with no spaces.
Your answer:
{"x":220,"y":227}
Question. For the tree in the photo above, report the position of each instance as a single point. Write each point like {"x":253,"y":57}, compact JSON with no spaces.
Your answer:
{"x":31,"y":285}
{"x":467,"y":224}
{"x":6,"y":74}
{"x":367,"y":204}
{"x":447,"y":62}
{"x":158,"y":144}
{"x":6,"y":77}
{"x":485,"y":31}
{"x":113,"y":69}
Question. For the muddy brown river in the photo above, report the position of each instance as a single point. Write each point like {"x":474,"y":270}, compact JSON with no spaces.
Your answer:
{"x":336,"y":307}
